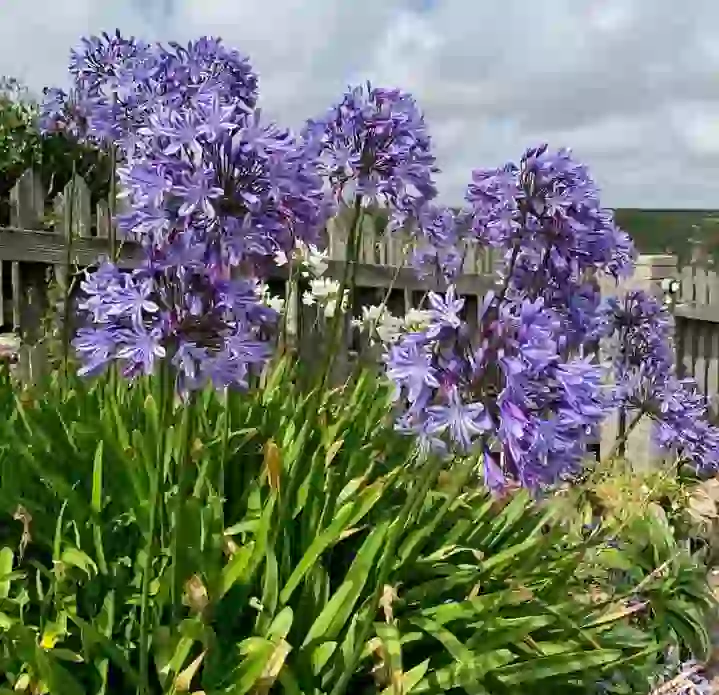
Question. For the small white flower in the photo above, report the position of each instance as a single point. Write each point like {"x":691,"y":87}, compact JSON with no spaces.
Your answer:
{"x":312,"y":260}
{"x":324,"y":287}
{"x":317,"y":262}
{"x":670,"y":286}
{"x":281,"y":258}
{"x":390,"y":329}
{"x":380,"y":323}
{"x":275,"y":303}
{"x":372,"y":313}
{"x":330,"y":308}
{"x":417,"y":318}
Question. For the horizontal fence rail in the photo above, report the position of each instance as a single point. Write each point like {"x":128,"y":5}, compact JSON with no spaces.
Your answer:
{"x":48,"y":242}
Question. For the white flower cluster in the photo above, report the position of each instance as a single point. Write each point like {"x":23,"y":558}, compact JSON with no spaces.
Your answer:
{"x":670,"y":288}
{"x":324,"y":292}
{"x":387,"y":328}
{"x":264,"y":297}
{"x":312,"y":261}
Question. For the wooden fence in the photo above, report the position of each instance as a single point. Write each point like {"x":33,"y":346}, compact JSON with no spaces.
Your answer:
{"x":696,"y":313}
{"x":50,"y":241}
{"x":47,"y":242}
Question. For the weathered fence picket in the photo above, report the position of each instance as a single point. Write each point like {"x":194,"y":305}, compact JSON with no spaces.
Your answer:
{"x":697,"y":325}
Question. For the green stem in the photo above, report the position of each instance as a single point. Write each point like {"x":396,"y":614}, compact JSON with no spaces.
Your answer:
{"x":69,"y":221}
{"x":291,"y":304}
{"x":182,"y":468}
{"x":223,"y":454}
{"x":621,"y":440}
{"x":338,"y":321}
{"x":112,"y":232}
{"x":164,"y":405}
{"x":112,"y":203}
{"x":385,"y":569}
{"x":385,"y":300}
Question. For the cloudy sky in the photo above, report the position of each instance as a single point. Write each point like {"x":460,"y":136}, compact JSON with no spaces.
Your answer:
{"x":631,"y":85}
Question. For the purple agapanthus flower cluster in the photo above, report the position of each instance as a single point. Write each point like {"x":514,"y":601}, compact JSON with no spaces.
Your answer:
{"x":119,"y":83}
{"x":221,"y":181}
{"x":438,"y":242}
{"x":511,"y":392}
{"x":374,"y":147}
{"x":215,"y":192}
{"x":201,"y":166}
{"x":546,"y":216}
{"x":640,"y":331}
{"x":211,"y":329}
{"x":527,"y":390}
{"x":375,"y":144}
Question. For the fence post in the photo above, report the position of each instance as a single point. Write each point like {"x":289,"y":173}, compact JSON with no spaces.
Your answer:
{"x":649,"y":272}
{"x":29,"y":281}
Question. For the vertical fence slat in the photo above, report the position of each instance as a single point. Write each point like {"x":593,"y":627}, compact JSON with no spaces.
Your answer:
{"x":381,"y":247}
{"x":712,"y":287}
{"x":367,"y":250}
{"x":713,"y":371}
{"x":81,"y":214}
{"x":27,"y":201}
{"x":338,"y":240}
{"x":470,"y":259}
{"x":700,"y":285}
{"x":16,"y":295}
{"x":686,"y":279}
{"x":103,"y":219}
{"x":700,"y":357}
{"x":687,"y":347}
{"x":2,"y":295}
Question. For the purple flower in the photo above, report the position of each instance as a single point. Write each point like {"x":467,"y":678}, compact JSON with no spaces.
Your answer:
{"x":410,"y":367}
{"x":96,"y":347}
{"x":375,"y":142}
{"x":515,"y":387}
{"x":493,"y":475}
{"x":139,"y":350}
{"x":463,"y":422}
{"x":444,"y":312}
{"x":210,"y":329}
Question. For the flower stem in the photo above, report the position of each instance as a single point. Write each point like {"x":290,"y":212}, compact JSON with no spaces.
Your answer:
{"x":112,"y":205}
{"x":337,"y":327}
{"x":621,"y":440}
{"x":69,"y":221}
{"x":164,"y":407}
{"x":385,"y":569}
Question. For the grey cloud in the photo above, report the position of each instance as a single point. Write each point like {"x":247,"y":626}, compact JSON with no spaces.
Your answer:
{"x":631,"y":85}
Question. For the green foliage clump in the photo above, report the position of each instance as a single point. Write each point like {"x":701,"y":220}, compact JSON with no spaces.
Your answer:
{"x":283,"y":542}
{"x":55,"y":156}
